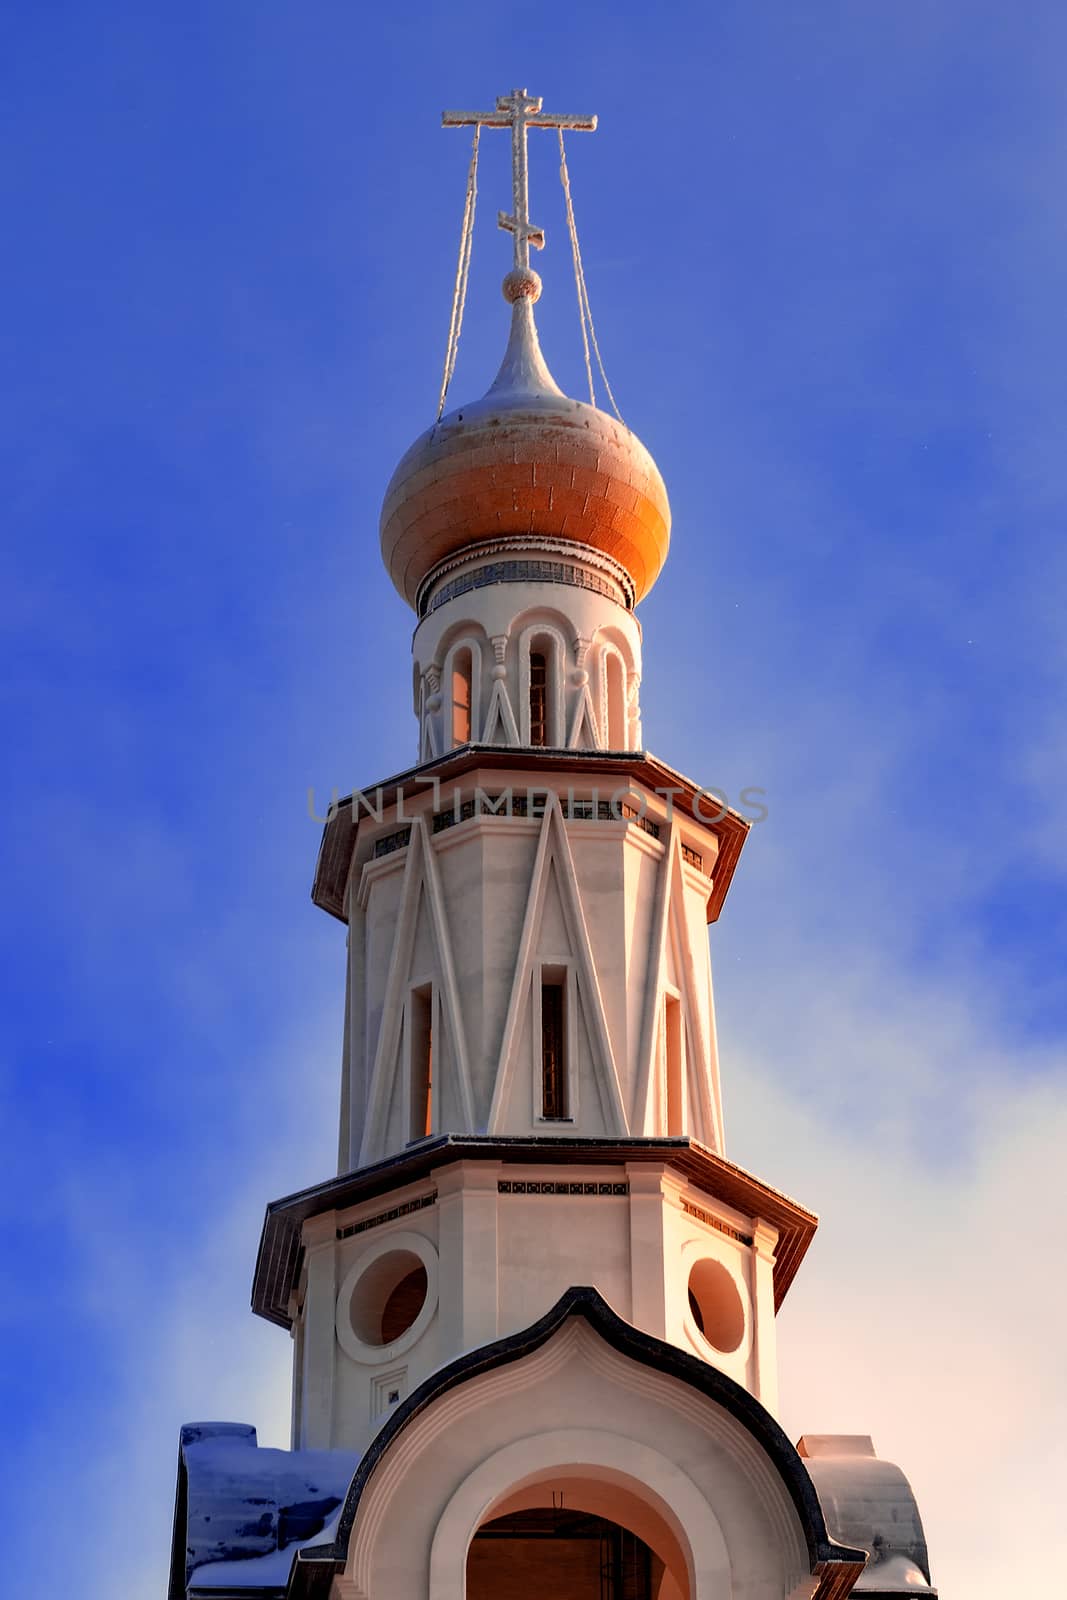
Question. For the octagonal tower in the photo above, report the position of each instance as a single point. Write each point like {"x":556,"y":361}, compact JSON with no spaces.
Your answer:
{"x":533,"y":1313}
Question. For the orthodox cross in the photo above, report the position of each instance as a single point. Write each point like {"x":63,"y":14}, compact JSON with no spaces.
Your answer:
{"x":518,"y":111}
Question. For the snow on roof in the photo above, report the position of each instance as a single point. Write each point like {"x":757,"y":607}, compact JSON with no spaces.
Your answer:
{"x":869,"y":1503}
{"x":248,"y":1510}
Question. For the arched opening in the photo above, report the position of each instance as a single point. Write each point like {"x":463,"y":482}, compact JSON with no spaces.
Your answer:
{"x":569,"y":1555}
{"x":575,"y":1539}
{"x":617,"y":732}
{"x":674,"y":1065}
{"x":462,"y":678}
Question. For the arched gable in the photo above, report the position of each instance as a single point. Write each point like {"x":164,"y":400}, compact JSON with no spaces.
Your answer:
{"x":763,"y":1464}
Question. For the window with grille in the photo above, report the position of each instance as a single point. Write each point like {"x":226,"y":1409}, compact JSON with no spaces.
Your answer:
{"x":420,"y":1026}
{"x":553,"y":1052}
{"x":538,"y":698}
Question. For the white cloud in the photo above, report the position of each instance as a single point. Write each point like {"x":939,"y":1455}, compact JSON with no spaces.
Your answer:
{"x":929,"y":1312}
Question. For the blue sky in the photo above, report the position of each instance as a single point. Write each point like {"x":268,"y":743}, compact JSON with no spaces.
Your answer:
{"x":825,"y":249}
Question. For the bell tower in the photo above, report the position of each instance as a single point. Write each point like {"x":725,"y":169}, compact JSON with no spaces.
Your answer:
{"x":536,"y":1280}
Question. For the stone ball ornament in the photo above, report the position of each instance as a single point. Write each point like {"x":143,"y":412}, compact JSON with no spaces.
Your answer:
{"x":522,"y":283}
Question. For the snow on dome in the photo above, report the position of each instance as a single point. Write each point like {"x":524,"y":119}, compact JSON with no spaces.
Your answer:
{"x":525,"y":460}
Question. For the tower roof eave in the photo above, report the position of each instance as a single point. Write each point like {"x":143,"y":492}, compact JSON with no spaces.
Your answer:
{"x":343,"y":821}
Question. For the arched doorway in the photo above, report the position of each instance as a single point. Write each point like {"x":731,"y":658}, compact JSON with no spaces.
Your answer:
{"x":569,"y":1555}
{"x":587,"y":1542}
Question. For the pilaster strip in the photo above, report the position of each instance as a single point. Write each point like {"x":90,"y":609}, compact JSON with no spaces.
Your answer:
{"x":392,"y":1002}
{"x":644,"y":1119}
{"x":449,"y":986}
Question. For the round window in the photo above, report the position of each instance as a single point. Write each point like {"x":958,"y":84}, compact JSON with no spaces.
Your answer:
{"x":716,"y":1305}
{"x":388,"y":1297}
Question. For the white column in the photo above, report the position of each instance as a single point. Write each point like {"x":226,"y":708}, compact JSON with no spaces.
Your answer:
{"x":764,"y":1342}
{"x":296,"y":1333}
{"x":354,"y":1105}
{"x":467,"y":1201}
{"x":320,"y":1339}
{"x":648,"y":1266}
{"x":343,"y":1135}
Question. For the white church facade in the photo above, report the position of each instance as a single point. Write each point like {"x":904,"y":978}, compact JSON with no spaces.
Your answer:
{"x":533,"y":1313}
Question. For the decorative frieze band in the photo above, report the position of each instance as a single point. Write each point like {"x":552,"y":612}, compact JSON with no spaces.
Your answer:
{"x":714,"y":1222}
{"x":388,"y":1216}
{"x":557,"y":1186}
{"x":518,"y":805}
{"x":392,"y":841}
{"x":523,"y":571}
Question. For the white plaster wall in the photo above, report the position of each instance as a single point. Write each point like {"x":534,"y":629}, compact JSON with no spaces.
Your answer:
{"x":485,"y":871}
{"x":360,"y":1408}
{"x":463,"y":909}
{"x":497,"y":622}
{"x":549,"y":1243}
{"x":687,"y":1242}
{"x":502,"y":1258}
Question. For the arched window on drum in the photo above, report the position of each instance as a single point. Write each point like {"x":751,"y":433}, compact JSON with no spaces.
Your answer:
{"x":542,"y":655}
{"x":617,"y":722}
{"x":460,"y":689}
{"x":461,"y":676}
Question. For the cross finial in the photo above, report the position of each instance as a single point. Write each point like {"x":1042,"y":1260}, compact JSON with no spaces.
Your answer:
{"x":519,"y":111}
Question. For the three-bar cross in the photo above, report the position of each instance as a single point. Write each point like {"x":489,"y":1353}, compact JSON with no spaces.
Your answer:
{"x":518,"y":111}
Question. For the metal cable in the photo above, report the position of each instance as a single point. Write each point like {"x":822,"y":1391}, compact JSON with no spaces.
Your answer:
{"x":584,"y":311}
{"x":459,"y":292}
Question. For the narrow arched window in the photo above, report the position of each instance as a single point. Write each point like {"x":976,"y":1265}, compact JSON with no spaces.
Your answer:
{"x":420,"y":1058}
{"x":674,"y":1065}
{"x":617,"y":736}
{"x":462,"y":673}
{"x":538,"y":697}
{"x":553,"y":1048}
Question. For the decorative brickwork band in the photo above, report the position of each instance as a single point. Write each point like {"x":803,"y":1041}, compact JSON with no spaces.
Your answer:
{"x":507,"y":805}
{"x":713,"y":1222}
{"x":525,"y":571}
{"x":550,"y":1186}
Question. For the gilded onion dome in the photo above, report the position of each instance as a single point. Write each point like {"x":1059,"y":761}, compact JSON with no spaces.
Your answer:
{"x":526,"y":460}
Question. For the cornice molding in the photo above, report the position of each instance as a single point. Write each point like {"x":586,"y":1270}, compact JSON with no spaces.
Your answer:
{"x":278,"y":1260}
